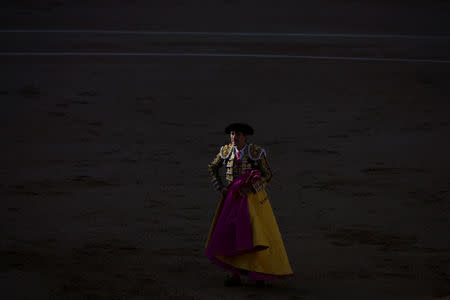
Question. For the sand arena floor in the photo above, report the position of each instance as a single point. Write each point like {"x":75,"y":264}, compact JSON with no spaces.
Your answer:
{"x":104,"y":186}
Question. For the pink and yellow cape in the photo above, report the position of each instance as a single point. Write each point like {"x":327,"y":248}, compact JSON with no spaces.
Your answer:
{"x":244,"y":236}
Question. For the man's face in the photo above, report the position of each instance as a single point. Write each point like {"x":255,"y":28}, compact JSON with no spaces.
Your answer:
{"x":238,"y":138}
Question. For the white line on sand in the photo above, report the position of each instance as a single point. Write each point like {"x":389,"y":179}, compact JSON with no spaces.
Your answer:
{"x":270,"y":56}
{"x":236,"y":34}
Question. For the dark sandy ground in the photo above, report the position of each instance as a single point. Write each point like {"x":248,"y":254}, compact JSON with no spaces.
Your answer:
{"x":336,"y":16}
{"x":105,"y":193}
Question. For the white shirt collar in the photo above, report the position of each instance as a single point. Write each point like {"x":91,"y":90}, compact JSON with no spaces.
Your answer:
{"x":242,"y":150}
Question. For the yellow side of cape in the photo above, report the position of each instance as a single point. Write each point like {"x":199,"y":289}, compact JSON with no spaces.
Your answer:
{"x":271,"y":260}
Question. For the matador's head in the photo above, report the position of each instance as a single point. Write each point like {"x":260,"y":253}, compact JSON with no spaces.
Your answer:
{"x":239,"y":133}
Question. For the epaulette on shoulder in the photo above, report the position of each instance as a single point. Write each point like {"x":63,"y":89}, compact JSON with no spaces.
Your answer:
{"x":225,"y":151}
{"x":256,"y":152}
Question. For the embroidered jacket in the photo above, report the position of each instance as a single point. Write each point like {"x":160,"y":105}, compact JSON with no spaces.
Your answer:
{"x":253,"y":158}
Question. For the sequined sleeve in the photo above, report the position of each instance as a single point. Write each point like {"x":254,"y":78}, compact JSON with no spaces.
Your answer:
{"x":266,"y":172}
{"x":214,"y":167}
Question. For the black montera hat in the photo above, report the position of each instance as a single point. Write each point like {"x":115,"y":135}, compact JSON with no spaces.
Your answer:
{"x":239,"y":127}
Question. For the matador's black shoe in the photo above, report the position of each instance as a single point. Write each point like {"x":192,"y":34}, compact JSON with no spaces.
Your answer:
{"x":230,"y":281}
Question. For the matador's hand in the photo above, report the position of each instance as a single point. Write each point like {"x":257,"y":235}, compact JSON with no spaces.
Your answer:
{"x":258,"y":185}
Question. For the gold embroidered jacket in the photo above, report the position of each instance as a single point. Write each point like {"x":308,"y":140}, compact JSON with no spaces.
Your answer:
{"x":253,"y":158}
